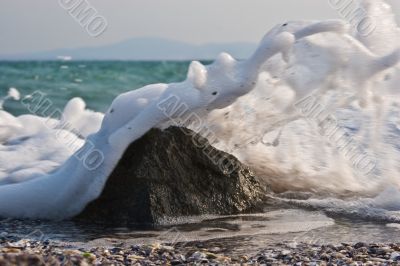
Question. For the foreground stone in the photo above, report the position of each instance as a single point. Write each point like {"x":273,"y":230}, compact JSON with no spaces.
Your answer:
{"x":174,"y":173}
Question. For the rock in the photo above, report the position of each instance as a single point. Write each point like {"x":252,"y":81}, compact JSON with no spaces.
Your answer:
{"x":377,"y":251}
{"x":395,"y":256}
{"x":117,"y":251}
{"x":89,"y":256}
{"x":167,"y":248}
{"x":197,"y":256}
{"x":325,"y":256}
{"x":168,"y":174}
{"x":215,"y":249}
{"x":135,"y":257}
{"x":379,"y":260}
{"x":285,"y":252}
{"x":24,"y":259}
{"x":211,"y":255}
{"x":180,"y":258}
{"x":10,"y":250}
{"x":176,"y":262}
{"x":338,"y":255}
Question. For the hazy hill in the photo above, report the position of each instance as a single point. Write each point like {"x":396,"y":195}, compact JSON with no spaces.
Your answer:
{"x":142,"y":49}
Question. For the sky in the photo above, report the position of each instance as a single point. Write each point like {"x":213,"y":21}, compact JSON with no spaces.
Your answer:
{"x":40,"y":25}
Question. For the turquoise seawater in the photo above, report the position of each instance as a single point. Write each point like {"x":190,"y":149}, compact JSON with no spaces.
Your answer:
{"x":97,"y":82}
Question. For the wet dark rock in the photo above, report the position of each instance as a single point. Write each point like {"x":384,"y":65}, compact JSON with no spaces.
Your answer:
{"x":174,"y":173}
{"x":116,"y":250}
{"x":359,"y":245}
{"x":176,"y":262}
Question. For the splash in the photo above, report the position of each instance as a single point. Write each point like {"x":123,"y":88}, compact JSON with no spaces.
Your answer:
{"x":13,"y":94}
{"x":304,"y":112}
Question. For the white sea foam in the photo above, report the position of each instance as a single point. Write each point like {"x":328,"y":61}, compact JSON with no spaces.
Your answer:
{"x":13,"y":94}
{"x":261,"y":109}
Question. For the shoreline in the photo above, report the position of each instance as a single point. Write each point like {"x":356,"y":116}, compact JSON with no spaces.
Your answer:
{"x":31,"y":252}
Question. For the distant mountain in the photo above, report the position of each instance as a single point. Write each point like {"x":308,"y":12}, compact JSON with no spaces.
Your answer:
{"x":142,"y":49}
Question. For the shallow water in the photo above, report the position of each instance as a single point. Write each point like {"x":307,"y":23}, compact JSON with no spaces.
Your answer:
{"x":239,"y":234}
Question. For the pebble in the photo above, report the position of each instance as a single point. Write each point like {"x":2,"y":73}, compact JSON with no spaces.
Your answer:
{"x":176,"y":262}
{"x":211,"y":255}
{"x":215,"y":249}
{"x":10,"y":250}
{"x":395,"y":256}
{"x":167,"y":248}
{"x":197,"y":256}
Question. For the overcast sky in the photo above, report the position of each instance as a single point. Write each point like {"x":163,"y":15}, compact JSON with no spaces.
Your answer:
{"x":35,"y":25}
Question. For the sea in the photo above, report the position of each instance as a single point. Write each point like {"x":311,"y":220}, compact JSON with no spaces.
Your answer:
{"x":97,"y":82}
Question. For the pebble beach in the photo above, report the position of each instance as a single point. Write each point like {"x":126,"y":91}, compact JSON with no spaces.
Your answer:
{"x":29,"y":252}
